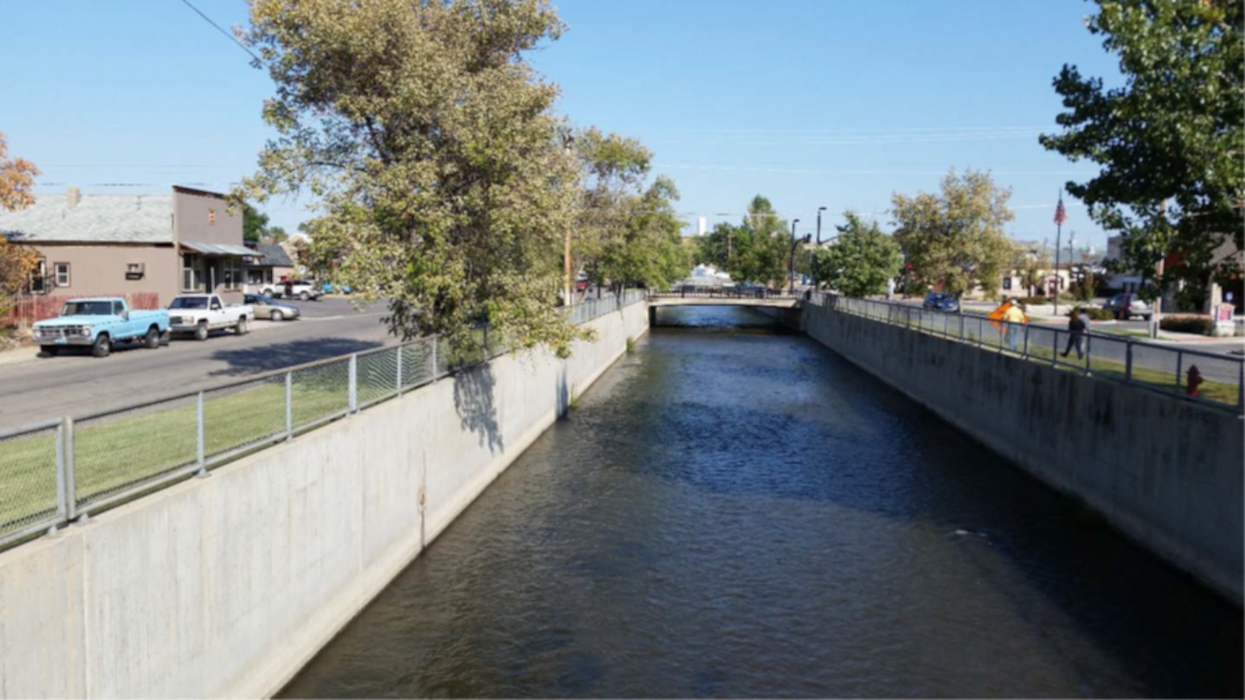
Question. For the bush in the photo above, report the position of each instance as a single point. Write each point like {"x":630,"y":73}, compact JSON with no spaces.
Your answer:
{"x":1031,"y":301}
{"x":1201,"y":325}
{"x":1094,"y":313}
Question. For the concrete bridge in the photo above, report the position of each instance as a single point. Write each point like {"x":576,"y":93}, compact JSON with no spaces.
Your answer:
{"x":776,"y":300}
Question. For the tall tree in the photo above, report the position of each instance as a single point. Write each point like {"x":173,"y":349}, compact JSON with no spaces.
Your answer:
{"x":433,"y":151}
{"x":861,"y":259}
{"x":756,"y":250}
{"x":17,"y":177}
{"x":255,"y":227}
{"x":1170,"y":140}
{"x":955,"y":239}
{"x":17,"y":262}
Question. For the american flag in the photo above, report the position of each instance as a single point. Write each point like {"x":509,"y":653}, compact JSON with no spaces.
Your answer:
{"x":1061,"y":214}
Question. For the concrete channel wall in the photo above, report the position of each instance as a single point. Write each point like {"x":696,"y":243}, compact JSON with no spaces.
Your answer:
{"x":227,"y":585}
{"x":1166,"y":472}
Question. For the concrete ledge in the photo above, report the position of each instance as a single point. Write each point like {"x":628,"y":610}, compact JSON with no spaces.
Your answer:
{"x":227,"y":586}
{"x":1166,"y":473}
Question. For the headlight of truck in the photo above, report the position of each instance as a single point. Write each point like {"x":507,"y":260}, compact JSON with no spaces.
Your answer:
{"x":84,"y":330}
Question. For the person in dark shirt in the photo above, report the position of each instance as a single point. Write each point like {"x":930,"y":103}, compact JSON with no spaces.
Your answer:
{"x":1078,"y":327}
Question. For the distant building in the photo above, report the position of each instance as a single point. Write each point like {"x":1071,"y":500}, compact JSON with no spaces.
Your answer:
{"x":106,"y":245}
{"x":270,"y":263}
{"x":702,"y":226}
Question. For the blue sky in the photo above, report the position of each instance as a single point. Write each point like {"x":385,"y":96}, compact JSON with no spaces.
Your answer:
{"x":810,"y":102}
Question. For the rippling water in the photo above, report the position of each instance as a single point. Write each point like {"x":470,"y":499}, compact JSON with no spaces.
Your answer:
{"x":734,"y":512}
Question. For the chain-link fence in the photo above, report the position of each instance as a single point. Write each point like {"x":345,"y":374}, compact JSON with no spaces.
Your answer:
{"x":1216,"y":379}
{"x":55,"y":472}
{"x":32,"y":465}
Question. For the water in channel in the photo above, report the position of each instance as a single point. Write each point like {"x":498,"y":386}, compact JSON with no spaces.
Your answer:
{"x":731,"y":511}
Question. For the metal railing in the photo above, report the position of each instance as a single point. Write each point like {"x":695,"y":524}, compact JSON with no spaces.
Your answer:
{"x":1137,"y":362}
{"x":59,"y":471}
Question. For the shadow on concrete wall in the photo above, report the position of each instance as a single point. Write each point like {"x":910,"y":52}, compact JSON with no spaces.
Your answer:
{"x":563,"y":389}
{"x":476,"y":407}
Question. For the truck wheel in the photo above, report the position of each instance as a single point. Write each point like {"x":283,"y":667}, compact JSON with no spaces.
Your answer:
{"x":152,"y":339}
{"x":240,"y":329}
{"x":102,"y":346}
{"x":201,"y":331}
{"x":305,"y":296}
{"x":277,"y":316}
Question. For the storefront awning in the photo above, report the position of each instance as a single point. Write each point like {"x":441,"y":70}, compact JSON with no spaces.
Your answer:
{"x":216,"y":248}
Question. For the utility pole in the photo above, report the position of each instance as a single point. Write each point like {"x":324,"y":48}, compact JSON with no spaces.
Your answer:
{"x":791,"y":272}
{"x":816,"y":278}
{"x":1061,"y":216}
{"x":568,"y":143}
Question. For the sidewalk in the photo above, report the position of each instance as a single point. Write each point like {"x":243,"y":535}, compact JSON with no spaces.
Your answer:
{"x":25,"y":353}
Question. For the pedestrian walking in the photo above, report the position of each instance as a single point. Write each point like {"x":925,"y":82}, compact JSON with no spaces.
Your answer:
{"x":1014,"y":317}
{"x":1078,"y":327}
{"x":890,"y":289}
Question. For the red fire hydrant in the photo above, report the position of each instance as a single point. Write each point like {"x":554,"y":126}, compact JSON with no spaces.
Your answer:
{"x":1193,"y":381}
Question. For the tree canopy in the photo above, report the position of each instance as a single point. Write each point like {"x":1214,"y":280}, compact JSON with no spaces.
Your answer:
{"x":627,"y":233}
{"x":1169,"y":141}
{"x":16,"y":261}
{"x":255,"y":227}
{"x":17,"y":177}
{"x":441,"y":175}
{"x":860,"y":261}
{"x":955,"y":239}
{"x":756,"y":250}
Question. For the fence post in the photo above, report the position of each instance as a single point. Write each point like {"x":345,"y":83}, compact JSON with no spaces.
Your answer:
{"x":201,"y":448}
{"x":1128,"y":359}
{"x":1089,"y":358}
{"x":1054,"y":349}
{"x":354,"y":382}
{"x":1240,"y":388}
{"x":399,"y":351}
{"x":289,"y":405}
{"x":62,"y":499}
{"x":1025,"y":354}
{"x":487,"y":356}
{"x":435,"y":373}
{"x":1179,"y":366}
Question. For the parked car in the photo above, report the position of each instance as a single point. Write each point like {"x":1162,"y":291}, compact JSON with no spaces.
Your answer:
{"x":1127,"y":305}
{"x":199,"y":314}
{"x":331,"y":288}
{"x":582,"y":285}
{"x":270,"y":309}
{"x":99,"y":324}
{"x":941,"y":301}
{"x":293,"y":289}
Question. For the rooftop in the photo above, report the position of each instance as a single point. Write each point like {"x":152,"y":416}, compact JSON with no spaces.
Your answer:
{"x":96,"y":218}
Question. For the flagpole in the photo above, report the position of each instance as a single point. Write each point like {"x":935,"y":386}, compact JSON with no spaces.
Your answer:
{"x":1058,"y":243}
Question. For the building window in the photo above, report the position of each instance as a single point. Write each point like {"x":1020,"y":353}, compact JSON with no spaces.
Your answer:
{"x":1007,"y":282}
{"x":233,"y":273}
{"x":37,"y":282}
{"x":192,"y":273}
{"x":62,"y":274}
{"x":211,"y":216}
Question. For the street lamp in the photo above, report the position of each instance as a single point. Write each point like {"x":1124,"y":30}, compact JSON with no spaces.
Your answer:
{"x":816,"y":280}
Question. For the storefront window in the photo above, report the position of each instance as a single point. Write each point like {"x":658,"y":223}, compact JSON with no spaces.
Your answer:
{"x":192,"y":273}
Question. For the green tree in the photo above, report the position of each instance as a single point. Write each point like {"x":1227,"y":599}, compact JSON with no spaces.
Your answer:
{"x":1035,"y":265}
{"x":1168,"y":142}
{"x":255,"y":228}
{"x":431,"y":147}
{"x":756,"y":250}
{"x":860,"y":261}
{"x":629,"y":234}
{"x":955,"y":240}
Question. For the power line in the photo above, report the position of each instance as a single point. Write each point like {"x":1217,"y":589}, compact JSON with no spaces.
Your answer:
{"x":221,"y":29}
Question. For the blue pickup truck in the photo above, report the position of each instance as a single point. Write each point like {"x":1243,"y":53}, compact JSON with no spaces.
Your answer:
{"x":100,"y":324}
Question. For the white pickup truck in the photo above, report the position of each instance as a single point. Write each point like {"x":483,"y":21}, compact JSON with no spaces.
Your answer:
{"x":199,"y":314}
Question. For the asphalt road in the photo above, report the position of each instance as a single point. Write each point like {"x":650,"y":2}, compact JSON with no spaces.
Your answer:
{"x":78,"y":384}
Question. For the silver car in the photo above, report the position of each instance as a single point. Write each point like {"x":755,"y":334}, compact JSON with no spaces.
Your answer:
{"x":268,"y":308}
{"x":1125,"y":306}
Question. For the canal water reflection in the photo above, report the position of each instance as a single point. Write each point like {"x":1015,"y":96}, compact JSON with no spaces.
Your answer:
{"x":736,"y":512}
